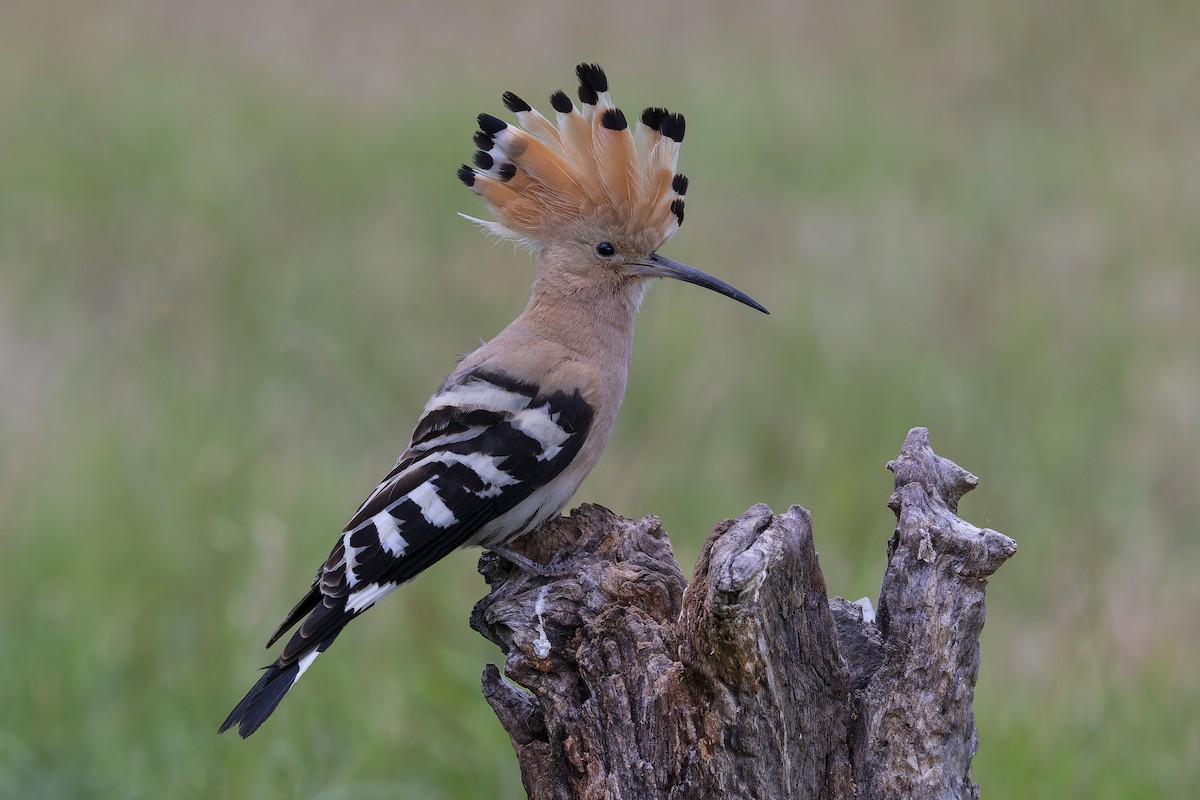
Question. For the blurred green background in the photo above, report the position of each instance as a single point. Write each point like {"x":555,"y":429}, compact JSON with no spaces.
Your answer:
{"x":231,"y":273}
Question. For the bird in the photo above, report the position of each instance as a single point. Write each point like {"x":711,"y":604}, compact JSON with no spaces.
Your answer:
{"x":520,"y":422}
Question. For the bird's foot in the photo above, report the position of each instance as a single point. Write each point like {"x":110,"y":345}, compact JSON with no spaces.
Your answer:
{"x":555,"y":569}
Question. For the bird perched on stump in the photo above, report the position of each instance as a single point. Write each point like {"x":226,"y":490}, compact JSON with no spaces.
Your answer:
{"x":518,"y":425}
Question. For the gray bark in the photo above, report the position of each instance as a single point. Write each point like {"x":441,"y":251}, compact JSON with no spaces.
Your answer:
{"x":749,"y":682}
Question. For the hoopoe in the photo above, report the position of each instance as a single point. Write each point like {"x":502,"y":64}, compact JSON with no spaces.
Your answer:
{"x":518,"y":425}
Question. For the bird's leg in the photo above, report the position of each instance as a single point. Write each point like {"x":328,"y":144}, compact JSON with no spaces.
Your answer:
{"x":531,"y":567}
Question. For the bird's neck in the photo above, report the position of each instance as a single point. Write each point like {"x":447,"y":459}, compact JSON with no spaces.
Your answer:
{"x":594,"y":320}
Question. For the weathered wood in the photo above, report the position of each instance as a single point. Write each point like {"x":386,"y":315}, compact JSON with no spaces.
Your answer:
{"x":919,"y":736}
{"x":759,"y":639}
{"x":750,"y":682}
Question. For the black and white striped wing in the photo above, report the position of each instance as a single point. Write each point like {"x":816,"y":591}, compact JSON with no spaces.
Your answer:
{"x":485,"y":443}
{"x":481,"y":448}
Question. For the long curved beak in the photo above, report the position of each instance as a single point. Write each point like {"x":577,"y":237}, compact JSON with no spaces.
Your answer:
{"x":656,"y":266}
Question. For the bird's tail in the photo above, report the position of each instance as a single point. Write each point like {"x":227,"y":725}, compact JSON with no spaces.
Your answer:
{"x":262,"y":699}
{"x":313,"y":638}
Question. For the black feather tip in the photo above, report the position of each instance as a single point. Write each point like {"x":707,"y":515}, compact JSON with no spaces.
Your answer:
{"x":466,"y":175}
{"x":515,"y":104}
{"x":483,"y":160}
{"x":506,"y":172}
{"x":652,"y":117}
{"x":483,"y":140}
{"x":614,"y":120}
{"x":672,"y":126}
{"x":560,"y":102}
{"x":677,"y":209}
{"x":490,"y":125}
{"x":591,"y":76}
{"x":680,"y":183}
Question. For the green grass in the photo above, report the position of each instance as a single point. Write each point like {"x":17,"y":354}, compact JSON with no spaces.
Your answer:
{"x":231,"y":273}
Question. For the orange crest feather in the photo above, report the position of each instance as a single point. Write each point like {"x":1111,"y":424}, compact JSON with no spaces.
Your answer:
{"x":539,"y":177}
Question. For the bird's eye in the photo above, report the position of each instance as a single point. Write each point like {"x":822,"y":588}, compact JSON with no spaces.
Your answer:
{"x":606,"y":250}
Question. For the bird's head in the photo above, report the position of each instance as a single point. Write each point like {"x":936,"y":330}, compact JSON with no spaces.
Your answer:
{"x":596,"y":196}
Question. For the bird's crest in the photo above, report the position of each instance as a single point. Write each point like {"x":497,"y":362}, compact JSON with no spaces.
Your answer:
{"x":540,"y":177}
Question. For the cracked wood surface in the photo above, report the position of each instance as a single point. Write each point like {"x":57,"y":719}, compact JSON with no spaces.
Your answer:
{"x":749,"y":682}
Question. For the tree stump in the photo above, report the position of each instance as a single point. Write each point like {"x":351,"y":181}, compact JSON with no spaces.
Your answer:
{"x":749,"y":682}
